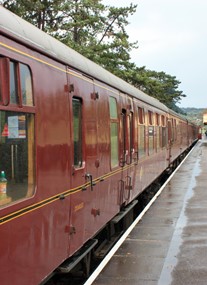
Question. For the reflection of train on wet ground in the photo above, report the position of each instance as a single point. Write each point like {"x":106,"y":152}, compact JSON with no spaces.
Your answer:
{"x":77,"y":145}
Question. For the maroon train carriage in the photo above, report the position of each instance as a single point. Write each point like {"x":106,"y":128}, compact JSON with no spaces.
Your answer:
{"x":77,"y":144}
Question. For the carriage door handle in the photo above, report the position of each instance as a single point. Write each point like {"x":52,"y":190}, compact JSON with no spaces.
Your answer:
{"x":90,"y":177}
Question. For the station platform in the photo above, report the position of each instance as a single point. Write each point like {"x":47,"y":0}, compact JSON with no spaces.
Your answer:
{"x":169,"y":245}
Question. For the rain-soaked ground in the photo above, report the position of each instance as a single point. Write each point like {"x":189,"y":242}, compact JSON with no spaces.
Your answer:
{"x":169,"y":245}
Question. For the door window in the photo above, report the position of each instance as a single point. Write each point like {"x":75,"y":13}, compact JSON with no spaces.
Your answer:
{"x":114,"y":131}
{"x":77,"y":132}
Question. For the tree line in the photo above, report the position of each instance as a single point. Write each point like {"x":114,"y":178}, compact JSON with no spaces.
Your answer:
{"x":98,"y":32}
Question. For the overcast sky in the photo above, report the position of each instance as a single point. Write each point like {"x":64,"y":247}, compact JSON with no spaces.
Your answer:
{"x":172,"y":37}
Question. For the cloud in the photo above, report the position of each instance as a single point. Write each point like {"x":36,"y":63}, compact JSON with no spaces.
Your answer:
{"x":172,"y":37}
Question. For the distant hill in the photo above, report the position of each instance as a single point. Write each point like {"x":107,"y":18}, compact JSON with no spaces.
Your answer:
{"x":195,"y":115}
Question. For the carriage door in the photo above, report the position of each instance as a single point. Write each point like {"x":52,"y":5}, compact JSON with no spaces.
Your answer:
{"x":126,"y":152}
{"x":82,"y":155}
{"x":169,"y":140}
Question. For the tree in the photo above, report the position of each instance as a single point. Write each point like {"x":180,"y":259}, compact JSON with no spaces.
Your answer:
{"x":91,"y":28}
{"x":160,"y":85}
{"x":44,"y":14}
{"x":98,"y":32}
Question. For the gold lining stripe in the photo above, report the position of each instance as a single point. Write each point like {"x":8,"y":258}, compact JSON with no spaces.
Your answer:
{"x":81,"y":76}
{"x":58,"y":196}
{"x":66,"y":193}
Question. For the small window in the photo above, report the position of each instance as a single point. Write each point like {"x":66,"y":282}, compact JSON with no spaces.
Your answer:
{"x":13,"y":84}
{"x":141,"y":133}
{"x":113,"y":108}
{"x":158,"y":137}
{"x":26,"y":85}
{"x":141,"y":115}
{"x":4,"y":80}
{"x":175,"y":130}
{"x":157,"y":119}
{"x":141,"y":141}
{"x":77,"y":132}
{"x":163,"y":135}
{"x":113,"y":131}
{"x":163,"y":120}
{"x":150,"y":117}
{"x":20,"y":84}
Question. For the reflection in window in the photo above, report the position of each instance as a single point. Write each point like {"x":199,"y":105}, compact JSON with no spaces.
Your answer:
{"x":114,"y":131}
{"x":141,"y":140}
{"x":114,"y":144}
{"x":13,"y":84}
{"x":150,"y":117}
{"x":163,"y":120}
{"x":151,"y":139}
{"x":157,"y":119}
{"x":77,"y":132}
{"x":158,"y":137}
{"x":17,"y":155}
{"x":141,"y":132}
{"x":141,"y":115}
{"x":26,"y":85}
{"x":163,"y":137}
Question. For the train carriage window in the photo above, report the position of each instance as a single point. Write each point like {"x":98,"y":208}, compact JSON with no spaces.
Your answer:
{"x":175,"y":130}
{"x":141,"y":115}
{"x":20,"y":84}
{"x":157,"y":119}
{"x":16,"y":156}
{"x":4,"y":80}
{"x":163,"y":133}
{"x":158,"y":131}
{"x":13,"y":83}
{"x":150,"y":117}
{"x":163,"y":120}
{"x":77,"y":132}
{"x":113,"y":131}
{"x":163,"y":137}
{"x":17,"y":149}
{"x":141,"y":133}
{"x":150,"y":132}
{"x":26,"y":85}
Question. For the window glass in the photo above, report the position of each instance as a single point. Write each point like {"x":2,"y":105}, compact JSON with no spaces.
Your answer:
{"x":114,"y":131}
{"x":16,"y":156}
{"x":141,"y":115}
{"x":157,"y":119}
{"x":150,"y":117}
{"x":77,"y":131}
{"x":141,"y":140}
{"x":26,"y":85}
{"x":163,"y":120}
{"x":13,"y":84}
{"x":175,"y":130}
{"x":114,"y":144}
{"x":163,"y":137}
{"x":151,"y":139}
{"x":158,"y":137}
{"x":113,"y":108}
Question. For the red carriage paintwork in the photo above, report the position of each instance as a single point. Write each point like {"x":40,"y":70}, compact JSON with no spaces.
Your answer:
{"x":66,"y":210}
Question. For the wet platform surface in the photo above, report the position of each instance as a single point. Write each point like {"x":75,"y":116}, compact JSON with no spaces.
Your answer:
{"x":169,"y":245}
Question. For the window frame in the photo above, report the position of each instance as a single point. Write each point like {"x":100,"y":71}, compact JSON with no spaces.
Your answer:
{"x":114,"y":121}
{"x":18,"y":109}
{"x":80,"y":133}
